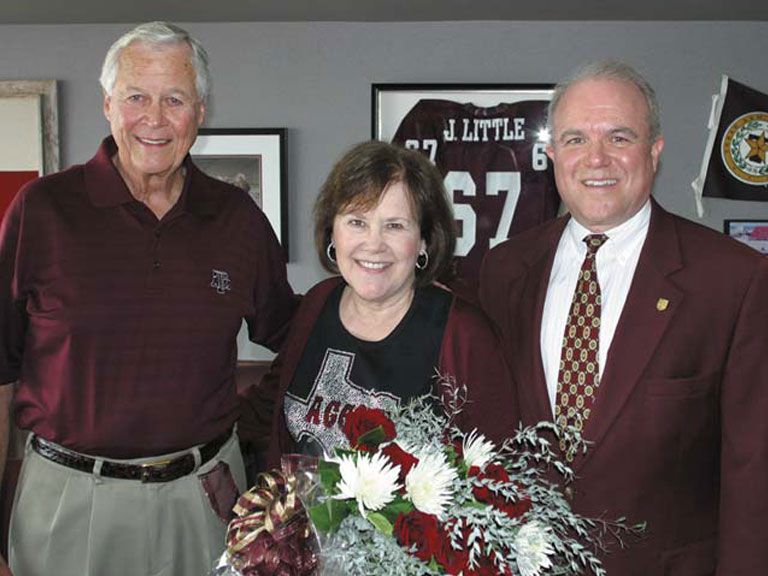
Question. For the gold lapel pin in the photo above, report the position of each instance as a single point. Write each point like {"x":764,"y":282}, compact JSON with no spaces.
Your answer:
{"x":661,"y":304}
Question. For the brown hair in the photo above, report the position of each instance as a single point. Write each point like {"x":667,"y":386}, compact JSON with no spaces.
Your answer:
{"x":359,"y":179}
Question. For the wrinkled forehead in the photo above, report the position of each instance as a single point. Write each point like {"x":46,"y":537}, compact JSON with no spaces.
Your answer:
{"x":168,"y":56}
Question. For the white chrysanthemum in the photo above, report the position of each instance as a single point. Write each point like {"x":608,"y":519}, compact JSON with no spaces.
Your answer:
{"x":371,"y":480}
{"x":429,"y":484}
{"x":533,"y":547}
{"x":477,"y":450}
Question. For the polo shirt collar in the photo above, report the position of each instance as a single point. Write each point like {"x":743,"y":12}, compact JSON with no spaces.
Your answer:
{"x":103,"y":183}
{"x":106,"y":187}
{"x":198,"y":196}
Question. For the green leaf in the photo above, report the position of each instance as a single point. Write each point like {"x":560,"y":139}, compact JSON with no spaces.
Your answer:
{"x":328,"y":515}
{"x":450,"y":452}
{"x":395,"y":508}
{"x":373,"y":437}
{"x":380,"y":523}
{"x":329,"y":475}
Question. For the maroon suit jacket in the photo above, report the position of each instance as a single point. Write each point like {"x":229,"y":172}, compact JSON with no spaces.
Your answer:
{"x":680,"y":421}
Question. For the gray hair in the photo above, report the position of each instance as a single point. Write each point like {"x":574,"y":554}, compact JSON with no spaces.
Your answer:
{"x":610,"y":70}
{"x":158,"y":34}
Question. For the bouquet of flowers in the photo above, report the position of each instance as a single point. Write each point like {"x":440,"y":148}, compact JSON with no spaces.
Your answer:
{"x":417,"y":496}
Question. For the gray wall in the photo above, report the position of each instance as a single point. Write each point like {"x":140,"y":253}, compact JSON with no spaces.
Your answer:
{"x":314,"y":79}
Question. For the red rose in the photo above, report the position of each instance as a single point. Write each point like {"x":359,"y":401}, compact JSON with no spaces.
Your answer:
{"x":514,"y":509}
{"x":497,"y":473}
{"x":419,"y":530}
{"x":453,"y":561}
{"x":494,"y":472}
{"x":361,"y":424}
{"x":401,"y":458}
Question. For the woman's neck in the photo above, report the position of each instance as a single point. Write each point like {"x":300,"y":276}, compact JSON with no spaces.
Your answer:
{"x":373,"y":321}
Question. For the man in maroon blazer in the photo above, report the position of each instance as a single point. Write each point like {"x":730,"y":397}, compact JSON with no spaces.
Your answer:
{"x":677,"y":411}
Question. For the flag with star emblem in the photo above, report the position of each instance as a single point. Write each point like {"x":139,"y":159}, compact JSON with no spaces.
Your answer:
{"x":735,"y":164}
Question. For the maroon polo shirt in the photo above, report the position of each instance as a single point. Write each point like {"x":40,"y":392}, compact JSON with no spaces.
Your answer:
{"x":121,"y":328}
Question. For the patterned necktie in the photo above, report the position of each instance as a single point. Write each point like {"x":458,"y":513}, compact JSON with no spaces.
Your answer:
{"x":578,"y":376}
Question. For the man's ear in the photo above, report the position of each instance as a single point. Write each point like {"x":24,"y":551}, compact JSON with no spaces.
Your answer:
{"x":107,"y":105}
{"x":200,"y":113}
{"x":656,"y":149}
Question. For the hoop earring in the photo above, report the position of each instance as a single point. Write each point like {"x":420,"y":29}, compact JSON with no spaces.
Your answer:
{"x":422,"y":260}
{"x":331,"y":252}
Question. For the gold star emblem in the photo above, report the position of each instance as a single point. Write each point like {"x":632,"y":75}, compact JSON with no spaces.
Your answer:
{"x":757,"y":148}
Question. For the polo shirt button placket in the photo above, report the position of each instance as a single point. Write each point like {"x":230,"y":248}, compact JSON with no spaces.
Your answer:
{"x":154,"y":276}
{"x":156,"y":246}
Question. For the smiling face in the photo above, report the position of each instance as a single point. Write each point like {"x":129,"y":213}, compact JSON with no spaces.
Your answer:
{"x":154,"y":110}
{"x":604,"y":159}
{"x":376,"y":249}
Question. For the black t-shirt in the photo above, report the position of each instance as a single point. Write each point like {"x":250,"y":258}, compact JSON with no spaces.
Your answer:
{"x":339,"y":372}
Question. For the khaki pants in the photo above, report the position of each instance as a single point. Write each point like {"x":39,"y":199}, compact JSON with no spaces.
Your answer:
{"x":70,"y":523}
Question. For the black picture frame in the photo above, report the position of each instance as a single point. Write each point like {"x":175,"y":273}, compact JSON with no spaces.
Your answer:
{"x":390,"y":102}
{"x":489,"y":142}
{"x":254,"y":159}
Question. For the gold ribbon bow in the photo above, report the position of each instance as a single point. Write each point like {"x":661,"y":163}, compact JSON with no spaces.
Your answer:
{"x":268,"y":505}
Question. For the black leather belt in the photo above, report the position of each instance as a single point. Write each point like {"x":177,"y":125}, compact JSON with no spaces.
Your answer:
{"x":155,"y":471}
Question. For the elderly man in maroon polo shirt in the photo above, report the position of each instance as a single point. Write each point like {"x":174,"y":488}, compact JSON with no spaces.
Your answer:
{"x":123,"y":283}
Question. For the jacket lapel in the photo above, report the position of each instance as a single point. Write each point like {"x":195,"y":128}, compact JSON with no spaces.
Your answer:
{"x":528,"y":323}
{"x":651,"y":304}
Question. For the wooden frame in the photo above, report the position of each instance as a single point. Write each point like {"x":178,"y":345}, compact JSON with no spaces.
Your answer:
{"x":29,"y":143}
{"x":47,"y":91}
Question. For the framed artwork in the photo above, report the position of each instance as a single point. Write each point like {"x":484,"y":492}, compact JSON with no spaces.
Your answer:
{"x":253,"y":159}
{"x":29,"y":142}
{"x":489,"y":143}
{"x":753,"y":233}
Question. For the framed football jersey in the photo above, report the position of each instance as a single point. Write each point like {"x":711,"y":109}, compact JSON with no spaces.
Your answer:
{"x":488,"y":140}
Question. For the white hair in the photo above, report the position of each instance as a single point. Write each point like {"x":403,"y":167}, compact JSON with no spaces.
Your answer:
{"x":158,"y":34}
{"x":611,"y":70}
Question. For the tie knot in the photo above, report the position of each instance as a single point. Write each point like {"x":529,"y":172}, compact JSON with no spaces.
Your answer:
{"x":594,"y":241}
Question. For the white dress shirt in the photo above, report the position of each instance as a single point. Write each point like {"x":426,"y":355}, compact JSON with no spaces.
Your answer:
{"x":616,"y":263}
